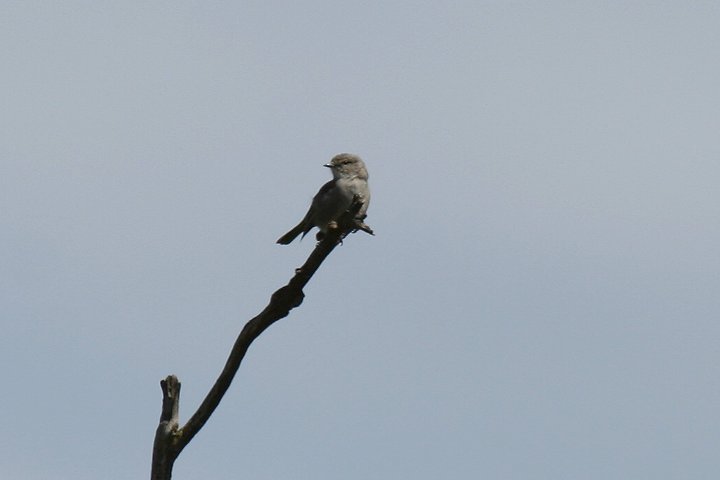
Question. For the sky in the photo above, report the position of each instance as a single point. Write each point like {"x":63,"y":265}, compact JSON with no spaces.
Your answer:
{"x":540,"y":300}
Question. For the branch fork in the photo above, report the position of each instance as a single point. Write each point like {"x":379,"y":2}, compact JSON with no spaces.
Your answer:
{"x":170,"y":438}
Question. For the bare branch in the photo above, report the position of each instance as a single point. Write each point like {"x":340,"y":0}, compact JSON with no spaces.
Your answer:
{"x":169,"y":438}
{"x":163,"y":452}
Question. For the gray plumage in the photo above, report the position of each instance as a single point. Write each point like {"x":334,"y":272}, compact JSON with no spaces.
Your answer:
{"x":350,"y":178}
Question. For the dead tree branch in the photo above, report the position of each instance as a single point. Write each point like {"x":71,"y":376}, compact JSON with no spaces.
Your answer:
{"x":170,"y":438}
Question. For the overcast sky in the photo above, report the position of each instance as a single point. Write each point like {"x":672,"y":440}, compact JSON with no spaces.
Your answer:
{"x":541,"y":298}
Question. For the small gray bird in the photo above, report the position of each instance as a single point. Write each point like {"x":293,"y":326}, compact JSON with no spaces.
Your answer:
{"x":350,"y":178}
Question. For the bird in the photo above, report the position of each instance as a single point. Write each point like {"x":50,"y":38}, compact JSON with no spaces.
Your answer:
{"x":350,"y":180}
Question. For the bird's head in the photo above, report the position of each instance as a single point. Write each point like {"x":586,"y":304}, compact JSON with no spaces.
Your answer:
{"x":346,"y":165}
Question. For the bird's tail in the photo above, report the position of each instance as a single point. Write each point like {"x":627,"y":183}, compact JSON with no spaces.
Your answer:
{"x":290,"y":236}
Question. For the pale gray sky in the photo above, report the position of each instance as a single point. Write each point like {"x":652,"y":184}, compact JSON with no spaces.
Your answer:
{"x":541,"y":300}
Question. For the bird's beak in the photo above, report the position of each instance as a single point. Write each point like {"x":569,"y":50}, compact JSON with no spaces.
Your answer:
{"x":328,"y":165}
